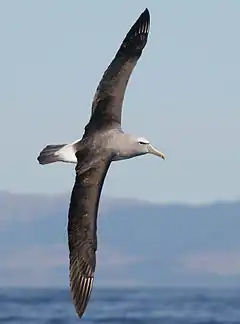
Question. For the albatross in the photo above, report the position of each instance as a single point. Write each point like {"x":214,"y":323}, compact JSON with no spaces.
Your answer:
{"x":103,"y":141}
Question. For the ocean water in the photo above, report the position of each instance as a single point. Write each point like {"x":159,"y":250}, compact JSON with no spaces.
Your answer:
{"x":115,"y":306}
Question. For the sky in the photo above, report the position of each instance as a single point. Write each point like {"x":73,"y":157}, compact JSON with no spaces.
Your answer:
{"x":183,"y":94}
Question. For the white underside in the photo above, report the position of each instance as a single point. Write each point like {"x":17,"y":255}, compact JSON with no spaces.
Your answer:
{"x":67,"y":153}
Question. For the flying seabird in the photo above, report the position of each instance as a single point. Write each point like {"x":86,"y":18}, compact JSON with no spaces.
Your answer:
{"x":103,"y":141}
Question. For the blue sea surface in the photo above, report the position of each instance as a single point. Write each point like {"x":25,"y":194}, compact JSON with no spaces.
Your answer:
{"x":115,"y":306}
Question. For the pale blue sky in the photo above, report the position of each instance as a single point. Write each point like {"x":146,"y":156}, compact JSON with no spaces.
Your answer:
{"x":183,"y":95}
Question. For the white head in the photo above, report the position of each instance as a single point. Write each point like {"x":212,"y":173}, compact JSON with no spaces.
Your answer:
{"x":146,"y":147}
{"x":130,"y":146}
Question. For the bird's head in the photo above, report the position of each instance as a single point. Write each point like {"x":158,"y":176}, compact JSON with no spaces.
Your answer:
{"x":128,"y":146}
{"x":145,"y":147}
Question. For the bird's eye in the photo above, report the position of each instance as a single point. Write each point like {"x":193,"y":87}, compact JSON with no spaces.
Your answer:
{"x":140,"y":142}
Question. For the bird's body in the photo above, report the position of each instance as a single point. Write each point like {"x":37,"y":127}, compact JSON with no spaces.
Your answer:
{"x":103,"y":142}
{"x":113,"y":139}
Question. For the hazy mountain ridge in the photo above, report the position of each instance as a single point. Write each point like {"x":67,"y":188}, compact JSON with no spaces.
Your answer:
{"x":138,"y":241}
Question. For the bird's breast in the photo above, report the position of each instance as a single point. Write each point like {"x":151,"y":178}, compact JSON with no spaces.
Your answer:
{"x":121,"y":156}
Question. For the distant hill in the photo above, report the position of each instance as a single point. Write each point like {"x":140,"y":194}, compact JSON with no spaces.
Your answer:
{"x":139,"y":242}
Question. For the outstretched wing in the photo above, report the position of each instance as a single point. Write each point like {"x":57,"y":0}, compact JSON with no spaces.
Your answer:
{"x":82,"y":226}
{"x":108,"y":99}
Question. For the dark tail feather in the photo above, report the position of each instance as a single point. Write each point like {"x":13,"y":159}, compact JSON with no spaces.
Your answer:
{"x":49,"y":154}
{"x":137,"y":36}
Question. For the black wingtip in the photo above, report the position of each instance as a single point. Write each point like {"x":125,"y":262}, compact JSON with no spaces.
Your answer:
{"x":144,"y":19}
{"x":137,"y":36}
{"x":146,"y":13}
